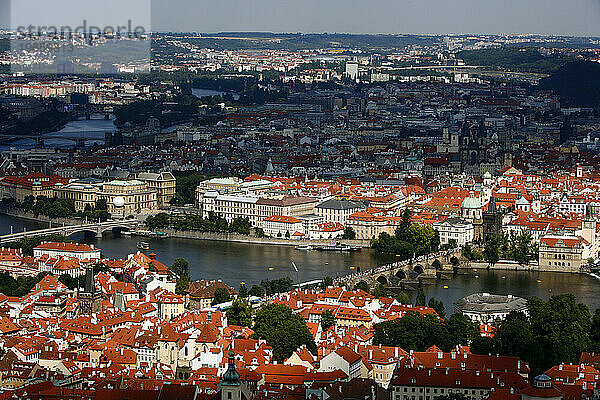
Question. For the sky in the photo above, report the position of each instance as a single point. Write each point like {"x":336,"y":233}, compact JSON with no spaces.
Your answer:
{"x":565,"y":17}
{"x":562,"y":17}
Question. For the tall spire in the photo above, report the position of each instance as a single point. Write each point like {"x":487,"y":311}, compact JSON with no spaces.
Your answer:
{"x":492,"y":204}
{"x":89,"y":279}
{"x":588,"y":212}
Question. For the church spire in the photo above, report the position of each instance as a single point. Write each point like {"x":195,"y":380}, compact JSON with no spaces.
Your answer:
{"x":231,"y":377}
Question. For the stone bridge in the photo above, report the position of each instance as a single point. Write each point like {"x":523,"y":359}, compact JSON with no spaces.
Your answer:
{"x":409,"y":272}
{"x":97,"y":229}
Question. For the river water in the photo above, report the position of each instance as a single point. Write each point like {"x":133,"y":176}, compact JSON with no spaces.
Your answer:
{"x":199,"y":93}
{"x":92,"y":131}
{"x":250,"y":263}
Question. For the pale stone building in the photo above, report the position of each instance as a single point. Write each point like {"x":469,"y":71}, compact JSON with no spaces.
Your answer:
{"x":164,"y":183}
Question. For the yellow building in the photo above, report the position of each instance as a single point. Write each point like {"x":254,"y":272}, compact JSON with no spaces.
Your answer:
{"x":122,"y":197}
{"x":164,"y":183}
{"x":563,"y":253}
{"x":368,"y":226}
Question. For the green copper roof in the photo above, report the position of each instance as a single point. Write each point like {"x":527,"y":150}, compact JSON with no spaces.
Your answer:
{"x":231,"y":377}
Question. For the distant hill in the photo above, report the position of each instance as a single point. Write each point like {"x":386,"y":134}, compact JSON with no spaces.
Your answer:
{"x":296,"y":41}
{"x":578,"y":82}
{"x":514,"y":59}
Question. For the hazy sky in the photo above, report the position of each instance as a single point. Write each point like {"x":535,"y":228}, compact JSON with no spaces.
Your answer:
{"x":570,"y":17}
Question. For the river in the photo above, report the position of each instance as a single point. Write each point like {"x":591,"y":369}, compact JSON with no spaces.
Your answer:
{"x":208,"y":92}
{"x":250,"y":263}
{"x":91,"y":130}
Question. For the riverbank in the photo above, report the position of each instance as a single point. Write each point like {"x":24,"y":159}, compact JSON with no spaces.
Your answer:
{"x":237,"y":238}
{"x":29,"y":216}
{"x":195,"y":235}
{"x":506,"y":265}
{"x":234,"y":263}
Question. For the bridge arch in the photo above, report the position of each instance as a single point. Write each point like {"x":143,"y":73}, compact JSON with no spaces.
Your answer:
{"x":436,"y":264}
{"x":454,"y":261}
{"x":419,"y":269}
{"x":382,"y":279}
{"x":400,"y":274}
{"x":71,"y":232}
{"x":116,"y":228}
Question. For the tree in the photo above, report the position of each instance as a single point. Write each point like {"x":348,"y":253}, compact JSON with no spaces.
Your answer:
{"x":421,"y":300}
{"x":403,"y":298}
{"x":468,"y":252}
{"x":349,"y":233}
{"x":181,"y":285}
{"x":404,"y":225}
{"x":185,"y":186}
{"x":438,"y":306}
{"x":379,"y":291}
{"x":28,"y":203}
{"x":27,"y":244}
{"x":283,"y":330}
{"x":326,"y":282}
{"x":257,"y":291}
{"x":422,"y":238}
{"x":362,"y":285}
{"x":160,"y":220}
{"x":515,"y":336}
{"x":408,"y":239}
{"x":523,"y":250}
{"x":180,"y":268}
{"x":243,"y":291}
{"x":491,"y":253}
{"x":419,"y":332}
{"x":595,"y":330}
{"x":19,"y":286}
{"x":327,"y":320}
{"x":277,"y":285}
{"x":101,"y":204}
{"x":260,"y":233}
{"x":240,"y":313}
{"x":461,"y":329}
{"x":240,"y":225}
{"x":486,"y":345}
{"x":221,"y":296}
{"x":412,"y":332}
{"x":560,"y":325}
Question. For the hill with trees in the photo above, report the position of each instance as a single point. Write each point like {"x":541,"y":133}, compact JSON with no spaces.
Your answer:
{"x":514,"y":59}
{"x":578,"y":82}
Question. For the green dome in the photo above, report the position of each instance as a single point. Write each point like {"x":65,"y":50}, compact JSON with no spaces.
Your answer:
{"x":471,"y":202}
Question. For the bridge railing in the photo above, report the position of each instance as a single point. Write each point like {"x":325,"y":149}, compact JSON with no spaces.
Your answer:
{"x":396,"y":265}
{"x":66,"y":228}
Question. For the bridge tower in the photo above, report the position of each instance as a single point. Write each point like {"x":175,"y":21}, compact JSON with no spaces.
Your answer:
{"x":90,"y":301}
